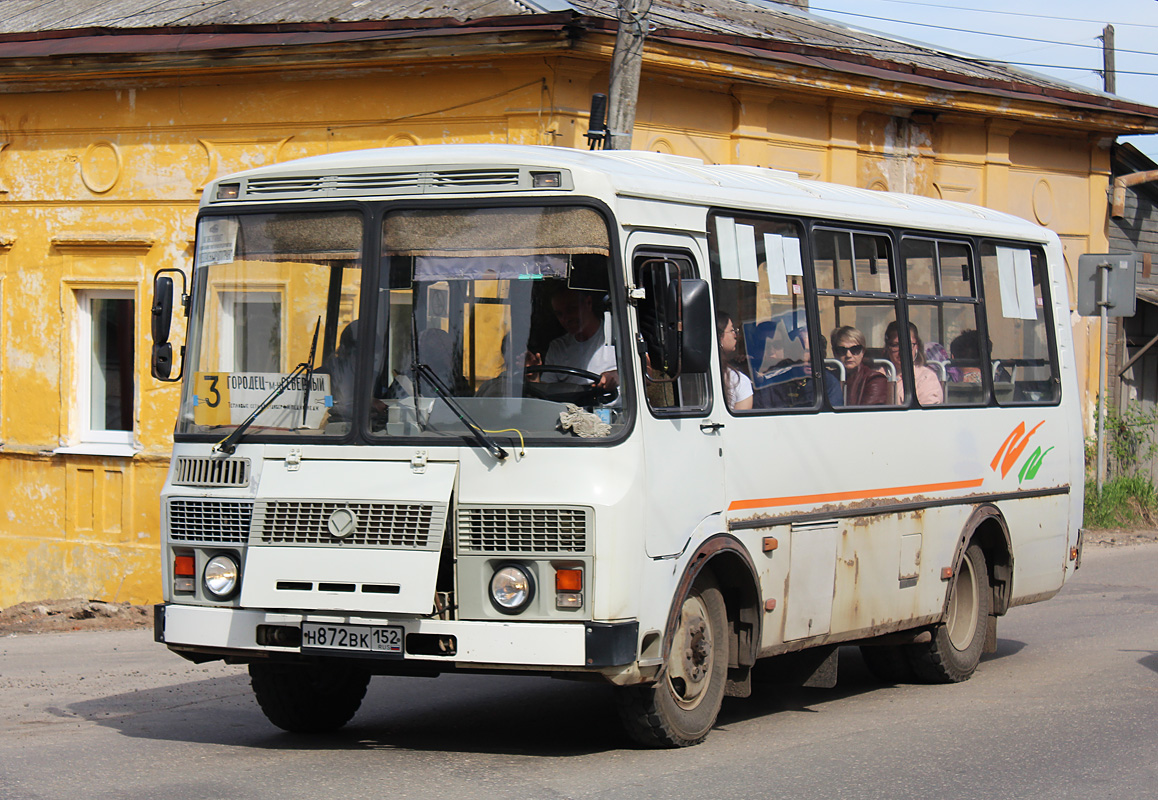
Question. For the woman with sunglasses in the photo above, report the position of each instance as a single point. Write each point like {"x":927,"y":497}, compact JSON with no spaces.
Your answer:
{"x":863,"y":385}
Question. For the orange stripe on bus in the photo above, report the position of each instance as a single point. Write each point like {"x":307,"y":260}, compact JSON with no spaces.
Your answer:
{"x":864,"y":494}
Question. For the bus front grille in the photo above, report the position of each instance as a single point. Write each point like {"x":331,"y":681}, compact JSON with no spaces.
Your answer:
{"x":493,"y":529}
{"x":200,"y":471}
{"x":411,"y":526}
{"x":214,"y":521}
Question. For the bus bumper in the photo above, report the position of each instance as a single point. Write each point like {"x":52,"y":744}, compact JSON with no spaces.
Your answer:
{"x":232,"y":632}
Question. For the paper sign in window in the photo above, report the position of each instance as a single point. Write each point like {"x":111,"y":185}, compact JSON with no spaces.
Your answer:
{"x":217,"y":241}
{"x":777,"y":275}
{"x":793,"y":264}
{"x":1015,"y":276}
{"x":726,"y":242}
{"x":746,"y":249}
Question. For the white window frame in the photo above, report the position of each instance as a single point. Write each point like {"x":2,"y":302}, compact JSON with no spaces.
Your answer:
{"x":84,"y":354}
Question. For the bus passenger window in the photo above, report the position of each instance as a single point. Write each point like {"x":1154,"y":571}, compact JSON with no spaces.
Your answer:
{"x":758,"y":277}
{"x":942,"y":303}
{"x":1023,"y":363}
{"x":857,"y":301}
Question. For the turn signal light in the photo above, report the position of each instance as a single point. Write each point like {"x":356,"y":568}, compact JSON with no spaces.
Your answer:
{"x":568,"y":580}
{"x":183,"y":567}
{"x":568,"y":588}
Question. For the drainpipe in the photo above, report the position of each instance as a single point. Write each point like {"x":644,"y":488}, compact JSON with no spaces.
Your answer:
{"x":1118,"y":198}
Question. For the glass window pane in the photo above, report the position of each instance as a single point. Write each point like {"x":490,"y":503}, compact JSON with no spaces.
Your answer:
{"x":873,"y":273}
{"x":920,"y":257}
{"x":111,"y":365}
{"x":274,"y":291}
{"x":1016,"y":313}
{"x":956,"y":270}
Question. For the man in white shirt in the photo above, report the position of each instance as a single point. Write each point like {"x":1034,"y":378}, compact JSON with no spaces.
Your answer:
{"x":583,"y":345}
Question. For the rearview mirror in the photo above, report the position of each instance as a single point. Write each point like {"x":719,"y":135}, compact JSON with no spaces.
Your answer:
{"x":162,"y":320}
{"x":675,"y":320}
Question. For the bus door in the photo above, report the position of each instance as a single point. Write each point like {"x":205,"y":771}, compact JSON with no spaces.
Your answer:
{"x":683,"y":463}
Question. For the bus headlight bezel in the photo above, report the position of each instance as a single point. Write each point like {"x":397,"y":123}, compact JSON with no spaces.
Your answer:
{"x":512,"y":588}
{"x":221,"y":576}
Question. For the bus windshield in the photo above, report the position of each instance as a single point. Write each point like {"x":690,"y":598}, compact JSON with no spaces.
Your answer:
{"x":483,"y":319}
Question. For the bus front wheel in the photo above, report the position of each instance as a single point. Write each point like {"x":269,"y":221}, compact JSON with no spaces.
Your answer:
{"x":303,"y":698}
{"x":680,"y":708}
{"x":955,"y":651}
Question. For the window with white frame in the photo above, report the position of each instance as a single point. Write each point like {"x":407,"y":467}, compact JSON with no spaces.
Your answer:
{"x":105,"y":359}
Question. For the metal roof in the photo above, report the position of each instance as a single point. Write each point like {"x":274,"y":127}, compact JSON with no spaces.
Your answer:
{"x":634,"y":173}
{"x":760,"y":29}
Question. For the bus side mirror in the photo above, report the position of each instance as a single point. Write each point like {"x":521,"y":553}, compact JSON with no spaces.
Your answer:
{"x":675,"y":321}
{"x":162,"y":313}
{"x":698,"y":335}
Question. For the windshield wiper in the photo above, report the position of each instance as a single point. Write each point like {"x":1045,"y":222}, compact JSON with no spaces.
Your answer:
{"x":488,"y":444}
{"x":310,"y":371}
{"x":229,"y":443}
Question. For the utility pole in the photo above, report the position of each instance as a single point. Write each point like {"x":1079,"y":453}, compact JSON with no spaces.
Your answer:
{"x":625,"y":68}
{"x":1109,"y":79}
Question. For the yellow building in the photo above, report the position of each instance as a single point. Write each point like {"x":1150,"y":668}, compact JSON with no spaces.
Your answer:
{"x":112,"y":123}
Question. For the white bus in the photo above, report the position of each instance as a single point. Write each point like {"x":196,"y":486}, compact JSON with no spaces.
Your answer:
{"x":618,"y":414}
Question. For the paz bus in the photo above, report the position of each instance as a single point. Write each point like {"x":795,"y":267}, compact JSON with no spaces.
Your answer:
{"x":531,"y":410}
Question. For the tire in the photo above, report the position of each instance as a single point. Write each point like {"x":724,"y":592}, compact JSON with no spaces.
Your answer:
{"x":680,"y":708}
{"x":308,"y":698}
{"x":955,"y":651}
{"x":889,"y":663}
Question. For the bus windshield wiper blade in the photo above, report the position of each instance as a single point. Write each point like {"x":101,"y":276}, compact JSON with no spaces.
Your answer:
{"x":310,"y":372}
{"x":229,"y":443}
{"x":488,"y":444}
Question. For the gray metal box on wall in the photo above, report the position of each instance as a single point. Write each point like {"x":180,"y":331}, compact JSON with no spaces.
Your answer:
{"x":1119,"y":282}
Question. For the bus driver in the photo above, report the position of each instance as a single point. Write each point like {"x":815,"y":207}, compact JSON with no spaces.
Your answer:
{"x":582,"y":345}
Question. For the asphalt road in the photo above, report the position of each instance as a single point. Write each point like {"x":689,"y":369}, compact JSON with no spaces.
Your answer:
{"x":1067,"y":708}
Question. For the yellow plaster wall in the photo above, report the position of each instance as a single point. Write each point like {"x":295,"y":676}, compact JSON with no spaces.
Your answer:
{"x":100,"y":188}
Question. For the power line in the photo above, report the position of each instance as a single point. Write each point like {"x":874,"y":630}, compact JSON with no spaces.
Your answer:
{"x":991,"y":11}
{"x":980,"y":33}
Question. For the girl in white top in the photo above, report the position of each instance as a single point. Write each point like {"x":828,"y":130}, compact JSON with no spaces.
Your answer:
{"x":737,"y":385}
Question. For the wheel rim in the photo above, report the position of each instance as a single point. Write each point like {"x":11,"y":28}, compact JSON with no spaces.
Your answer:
{"x":692,"y":656}
{"x":962,"y":622}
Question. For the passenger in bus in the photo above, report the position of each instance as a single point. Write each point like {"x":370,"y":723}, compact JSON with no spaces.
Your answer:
{"x":792,"y":381}
{"x":582,"y":346}
{"x":340,"y":367}
{"x":966,"y":349}
{"x":928,"y":391}
{"x":737,"y":385}
{"x":864,"y":385}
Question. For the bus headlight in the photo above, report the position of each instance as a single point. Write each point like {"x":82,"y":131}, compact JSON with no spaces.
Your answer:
{"x":512,"y":588}
{"x":221,"y":577}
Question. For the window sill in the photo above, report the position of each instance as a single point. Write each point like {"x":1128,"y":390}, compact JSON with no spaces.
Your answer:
{"x":98,"y":449}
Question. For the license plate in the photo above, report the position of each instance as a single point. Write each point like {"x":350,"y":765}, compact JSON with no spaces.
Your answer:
{"x":372,"y":639}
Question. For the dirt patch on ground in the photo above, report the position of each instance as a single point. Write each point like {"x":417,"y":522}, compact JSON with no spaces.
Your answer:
{"x":74,"y":614}
{"x":1114,"y":537}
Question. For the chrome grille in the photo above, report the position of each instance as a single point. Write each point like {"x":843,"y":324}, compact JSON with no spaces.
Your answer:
{"x":192,"y":471}
{"x":414,"y":526}
{"x":523,"y":530}
{"x":414,"y":182}
{"x":216,"y":521}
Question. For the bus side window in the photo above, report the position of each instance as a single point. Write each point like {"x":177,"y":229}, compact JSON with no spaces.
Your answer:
{"x":1023,"y":364}
{"x":688,"y":394}
{"x":758,"y":279}
{"x":856,"y":297}
{"x":941,"y":298}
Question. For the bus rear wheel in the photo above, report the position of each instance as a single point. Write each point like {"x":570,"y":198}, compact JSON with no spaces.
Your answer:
{"x":680,"y":708}
{"x":955,"y":651}
{"x":308,"y":698}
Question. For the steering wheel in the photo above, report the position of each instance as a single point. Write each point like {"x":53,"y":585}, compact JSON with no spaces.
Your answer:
{"x":563,"y":392}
